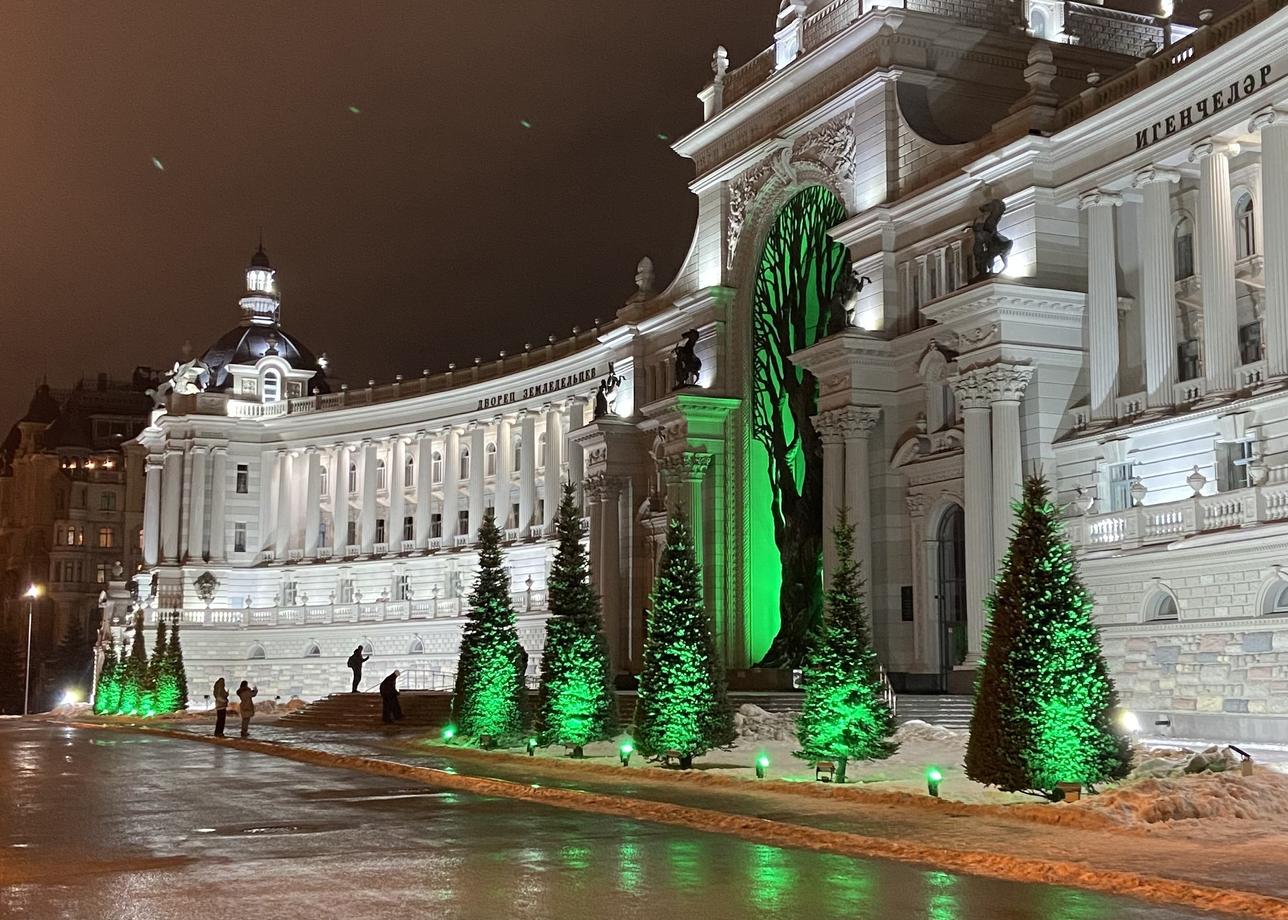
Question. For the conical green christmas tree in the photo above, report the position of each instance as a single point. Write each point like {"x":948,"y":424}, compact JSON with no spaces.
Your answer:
{"x":177,"y":670}
{"x":489,"y":681}
{"x":683,"y":702}
{"x":1043,"y":698}
{"x":577,"y":704}
{"x":844,"y":716}
{"x":157,"y":667}
{"x":134,"y":674}
{"x":107,"y":693}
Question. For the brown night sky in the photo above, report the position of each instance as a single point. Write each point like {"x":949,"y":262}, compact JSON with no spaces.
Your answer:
{"x":430,"y":227}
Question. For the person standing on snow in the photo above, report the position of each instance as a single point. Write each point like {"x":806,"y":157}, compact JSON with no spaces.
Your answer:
{"x":221,"y":707}
{"x":246,"y":706}
{"x":390,"y":710}
{"x":355,"y":664}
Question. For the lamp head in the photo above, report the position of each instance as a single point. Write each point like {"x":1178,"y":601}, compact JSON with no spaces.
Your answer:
{"x":33,"y":592}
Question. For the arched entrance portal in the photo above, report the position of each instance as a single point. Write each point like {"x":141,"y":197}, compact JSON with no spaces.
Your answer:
{"x":950,"y":589}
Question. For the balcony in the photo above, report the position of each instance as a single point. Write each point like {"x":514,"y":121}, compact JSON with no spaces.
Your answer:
{"x":1148,"y":525}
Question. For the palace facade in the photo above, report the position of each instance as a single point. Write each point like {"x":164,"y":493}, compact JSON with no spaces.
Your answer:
{"x":938,"y":246}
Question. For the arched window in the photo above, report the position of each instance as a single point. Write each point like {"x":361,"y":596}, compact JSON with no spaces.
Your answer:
{"x":272,"y":386}
{"x":366,"y":647}
{"x":518,"y":453}
{"x":1037,"y":23}
{"x":465,"y":463}
{"x":1183,"y":248}
{"x":256,"y":652}
{"x":1160,"y":607}
{"x":417,"y":646}
{"x":353,"y":478}
{"x":313,"y":651}
{"x":1276,"y":603}
{"x":1245,"y":233}
{"x":324,"y":481}
{"x":541,"y":451}
{"x":436,"y":467}
{"x":382,"y":476}
{"x":489,"y":459}
{"x":409,"y":473}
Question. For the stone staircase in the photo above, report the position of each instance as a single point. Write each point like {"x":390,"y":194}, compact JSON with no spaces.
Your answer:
{"x":361,"y":711}
{"x":938,"y":709}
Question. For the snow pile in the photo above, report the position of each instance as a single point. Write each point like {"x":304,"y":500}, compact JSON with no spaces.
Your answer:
{"x":916,"y":731}
{"x":72,"y":710}
{"x":1262,"y":796}
{"x":755,"y":724}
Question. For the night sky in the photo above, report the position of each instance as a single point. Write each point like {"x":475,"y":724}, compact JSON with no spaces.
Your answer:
{"x":429,"y":226}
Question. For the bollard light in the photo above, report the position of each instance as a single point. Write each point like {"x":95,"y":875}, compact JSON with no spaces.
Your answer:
{"x":762,"y":764}
{"x":449,"y":733}
{"x":625,"y":752}
{"x":532,"y":747}
{"x":933,"y":779}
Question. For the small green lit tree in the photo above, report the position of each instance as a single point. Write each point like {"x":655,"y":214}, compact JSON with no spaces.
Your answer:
{"x":577,"y":704}
{"x":134,"y":673}
{"x":177,"y":670}
{"x":844,"y":715}
{"x":107,"y":692}
{"x":1043,"y":698}
{"x":489,"y":680}
{"x":683,"y":702}
{"x":157,"y":667}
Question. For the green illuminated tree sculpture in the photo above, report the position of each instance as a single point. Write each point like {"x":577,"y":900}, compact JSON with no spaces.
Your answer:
{"x":844,"y":715}
{"x":177,"y":670}
{"x":1043,"y":698}
{"x":134,"y":673}
{"x":577,"y":704}
{"x":489,"y":679}
{"x":107,"y":693}
{"x":683,"y":702}
{"x":799,"y":273}
{"x":158,"y":680}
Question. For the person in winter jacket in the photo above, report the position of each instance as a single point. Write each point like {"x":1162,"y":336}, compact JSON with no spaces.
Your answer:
{"x":246,"y":706}
{"x":355,"y":664}
{"x":390,"y":710}
{"x":221,"y":707}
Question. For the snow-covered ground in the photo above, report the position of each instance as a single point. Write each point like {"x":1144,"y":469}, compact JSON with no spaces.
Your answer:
{"x":72,"y":712}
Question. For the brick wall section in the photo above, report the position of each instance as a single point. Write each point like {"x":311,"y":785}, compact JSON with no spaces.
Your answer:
{"x":1111,"y":30}
{"x":985,"y":14}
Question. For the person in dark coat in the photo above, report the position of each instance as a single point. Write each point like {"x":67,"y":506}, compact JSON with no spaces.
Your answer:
{"x":355,"y":664}
{"x":246,"y":706}
{"x":221,"y":707}
{"x":390,"y":710}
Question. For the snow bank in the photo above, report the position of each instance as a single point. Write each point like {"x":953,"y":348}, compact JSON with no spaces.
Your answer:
{"x":755,"y":724}
{"x":1261,"y":797}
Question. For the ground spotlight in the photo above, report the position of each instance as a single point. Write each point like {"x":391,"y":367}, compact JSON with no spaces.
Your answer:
{"x":933,"y":779}
{"x":449,"y":733}
{"x":762,"y":764}
{"x":532,"y":747}
{"x":624,"y":752}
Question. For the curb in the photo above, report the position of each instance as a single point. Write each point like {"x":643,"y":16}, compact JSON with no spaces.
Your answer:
{"x":1155,"y":889}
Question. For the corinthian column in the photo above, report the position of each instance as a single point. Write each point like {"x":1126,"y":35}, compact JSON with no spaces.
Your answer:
{"x":395,"y":478}
{"x":1102,"y":303}
{"x":171,"y":504}
{"x":218,"y":498}
{"x":1158,"y":285}
{"x":829,"y":432}
{"x":313,"y":504}
{"x":551,"y":485}
{"x":367,"y":515}
{"x":527,"y":470}
{"x":424,"y":487}
{"x":857,"y":425}
{"x":340,"y":500}
{"x":451,"y":480}
{"x":152,"y":510}
{"x":974,"y":395}
{"x":1008,"y":382}
{"x":197,"y":505}
{"x":1216,"y":267}
{"x":282,"y":544}
{"x":1273,"y":126}
{"x":477,"y":461}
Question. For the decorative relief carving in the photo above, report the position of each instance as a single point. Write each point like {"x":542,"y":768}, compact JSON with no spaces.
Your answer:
{"x":830,"y":146}
{"x":916,"y":503}
{"x":986,"y":334}
{"x":686,"y":467}
{"x":980,"y":387}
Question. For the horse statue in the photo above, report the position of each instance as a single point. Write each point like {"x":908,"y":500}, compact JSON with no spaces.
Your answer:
{"x":989,"y":244}
{"x":687,"y":363}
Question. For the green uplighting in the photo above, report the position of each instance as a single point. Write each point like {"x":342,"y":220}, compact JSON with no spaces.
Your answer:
{"x":762,"y":764}
{"x":628,"y":748}
{"x":449,"y":733}
{"x":1043,"y":699}
{"x":933,"y":775}
{"x":625,"y":752}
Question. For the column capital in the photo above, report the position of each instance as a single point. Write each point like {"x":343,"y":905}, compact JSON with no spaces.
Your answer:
{"x":219,"y":448}
{"x":281,"y":452}
{"x":154,"y":463}
{"x":847,"y":422}
{"x":1207,"y":147}
{"x":1099,"y":198}
{"x":1267,"y":117}
{"x":691,"y":465}
{"x":972,"y":389}
{"x":1152,"y":174}
{"x":172,"y":451}
{"x":310,"y":450}
{"x":1009,"y":381}
{"x":603,"y":487}
{"x":422,"y":434}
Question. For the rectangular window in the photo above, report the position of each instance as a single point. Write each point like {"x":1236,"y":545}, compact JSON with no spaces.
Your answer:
{"x":345,"y":594}
{"x":436,"y":526}
{"x":540,"y":515}
{"x":58,"y":572}
{"x":402,"y":586}
{"x":289,"y":592}
{"x":409,"y":528}
{"x":514,"y":515}
{"x":380,"y":530}
{"x":1233,"y":460}
{"x":491,"y":509}
{"x":1250,"y":343}
{"x":106,"y":537}
{"x":351,"y":534}
{"x":243,"y":479}
{"x":1188,"y":359}
{"x":322,"y":534}
{"x":1120,"y":477}
{"x":107,"y":501}
{"x":409,"y":473}
{"x":462,"y":522}
{"x":102,"y":573}
{"x":80,"y":536}
{"x":239,"y":537}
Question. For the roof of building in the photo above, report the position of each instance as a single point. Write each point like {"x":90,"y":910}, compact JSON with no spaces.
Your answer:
{"x":247,"y":343}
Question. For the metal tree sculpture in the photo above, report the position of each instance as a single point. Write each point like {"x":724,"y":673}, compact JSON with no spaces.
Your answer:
{"x":800,"y":269}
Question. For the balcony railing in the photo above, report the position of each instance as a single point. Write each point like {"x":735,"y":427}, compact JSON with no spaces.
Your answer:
{"x":528,"y":601}
{"x":1150,"y":524}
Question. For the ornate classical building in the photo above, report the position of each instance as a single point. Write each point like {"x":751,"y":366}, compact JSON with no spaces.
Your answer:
{"x":938,"y":246}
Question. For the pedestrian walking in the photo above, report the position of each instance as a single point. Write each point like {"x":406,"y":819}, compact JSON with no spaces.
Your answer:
{"x":390,"y":711}
{"x":246,"y":706}
{"x":355,"y":664}
{"x":221,"y":707}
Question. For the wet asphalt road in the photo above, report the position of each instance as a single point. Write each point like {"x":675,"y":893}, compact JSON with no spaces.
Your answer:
{"x":103,"y":824}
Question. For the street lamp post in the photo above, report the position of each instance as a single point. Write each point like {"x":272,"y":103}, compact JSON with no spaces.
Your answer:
{"x":31,"y":594}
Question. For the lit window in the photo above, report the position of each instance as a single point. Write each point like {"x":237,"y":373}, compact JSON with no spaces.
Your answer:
{"x":489,"y":460}
{"x":106,"y":537}
{"x":272,"y":386}
{"x":436,"y":467}
{"x":382,"y":477}
{"x":102,"y":573}
{"x":409,"y":473}
{"x":1245,"y":234}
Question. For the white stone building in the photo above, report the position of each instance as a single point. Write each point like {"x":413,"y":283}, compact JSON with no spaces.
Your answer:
{"x":861,"y":344}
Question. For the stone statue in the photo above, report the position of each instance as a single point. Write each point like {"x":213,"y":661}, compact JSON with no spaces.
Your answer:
{"x":687,"y":363}
{"x":989,"y":244}
{"x":184,"y":380}
{"x":845,"y":301}
{"x":606,"y":395}
{"x":206,"y":583}
{"x":645,"y":276}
